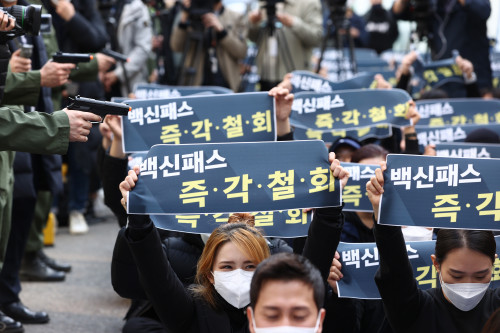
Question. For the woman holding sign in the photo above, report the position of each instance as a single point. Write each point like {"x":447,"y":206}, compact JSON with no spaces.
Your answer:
{"x":221,"y":293}
{"x":464,"y":261}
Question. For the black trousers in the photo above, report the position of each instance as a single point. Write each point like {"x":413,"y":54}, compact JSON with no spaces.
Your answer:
{"x":23,"y":209}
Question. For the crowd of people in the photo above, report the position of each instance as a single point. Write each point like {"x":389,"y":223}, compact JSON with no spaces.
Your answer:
{"x":54,"y":164}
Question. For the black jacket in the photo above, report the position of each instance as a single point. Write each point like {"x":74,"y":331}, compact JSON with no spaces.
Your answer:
{"x":382,"y":29}
{"x":85,"y":32}
{"x":410,"y":309}
{"x":463,"y":29}
{"x":183,"y":254}
{"x":358,"y":315}
{"x":178,"y":309}
{"x":112,"y":171}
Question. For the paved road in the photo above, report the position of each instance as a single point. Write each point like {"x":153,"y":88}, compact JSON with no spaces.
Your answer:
{"x":85,"y":302}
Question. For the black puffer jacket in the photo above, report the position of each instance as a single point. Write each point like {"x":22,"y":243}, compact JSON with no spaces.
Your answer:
{"x":183,"y":254}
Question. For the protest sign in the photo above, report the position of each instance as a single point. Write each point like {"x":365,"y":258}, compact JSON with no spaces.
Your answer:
{"x":309,"y":81}
{"x":360,"y":262}
{"x":435,"y":74}
{"x":441,"y":192}
{"x":458,"y":111}
{"x":119,"y":99}
{"x":350,"y":109}
{"x":359,"y":134}
{"x":155,"y":91}
{"x":442,"y":134}
{"x":199,"y":119}
{"x":241,"y":177}
{"x":469,"y":150}
{"x":354,"y":193}
{"x":136,"y":159}
{"x":284,"y":224}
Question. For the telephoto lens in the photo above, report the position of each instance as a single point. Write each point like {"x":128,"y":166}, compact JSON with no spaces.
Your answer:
{"x":28,"y":18}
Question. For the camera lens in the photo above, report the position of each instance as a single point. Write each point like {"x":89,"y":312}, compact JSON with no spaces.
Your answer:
{"x":27,"y":17}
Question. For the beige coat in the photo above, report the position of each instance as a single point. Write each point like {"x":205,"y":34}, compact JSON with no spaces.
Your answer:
{"x":230,"y":50}
{"x":305,"y":34}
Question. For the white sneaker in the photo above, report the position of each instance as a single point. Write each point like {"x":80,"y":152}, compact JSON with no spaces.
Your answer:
{"x":100,"y":208}
{"x":77,"y":223}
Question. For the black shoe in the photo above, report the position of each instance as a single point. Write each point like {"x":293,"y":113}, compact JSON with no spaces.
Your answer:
{"x":19,"y":312}
{"x":37,"y":270}
{"x":57,"y":266}
{"x":9,"y":325}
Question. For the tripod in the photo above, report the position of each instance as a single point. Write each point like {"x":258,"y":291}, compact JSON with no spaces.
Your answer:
{"x":277,"y":48}
{"x":189,"y":67}
{"x":338,"y":21}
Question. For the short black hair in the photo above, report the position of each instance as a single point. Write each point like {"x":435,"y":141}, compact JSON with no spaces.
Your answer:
{"x":482,"y":241}
{"x":368,"y":151}
{"x":287,"y":267}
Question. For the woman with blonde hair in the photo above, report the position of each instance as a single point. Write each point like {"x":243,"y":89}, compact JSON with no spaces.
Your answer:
{"x":232,"y":252}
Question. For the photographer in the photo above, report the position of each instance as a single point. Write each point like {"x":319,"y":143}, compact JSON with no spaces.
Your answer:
{"x":302,"y":31}
{"x":223,"y":46}
{"x":381,"y":27}
{"x":453,"y":25}
{"x":132,"y":36}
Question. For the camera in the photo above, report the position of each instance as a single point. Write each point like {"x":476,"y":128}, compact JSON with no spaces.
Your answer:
{"x":421,"y":12}
{"x":270,"y":7}
{"x":199,"y":8}
{"x":337,"y":11}
{"x":28,"y":20}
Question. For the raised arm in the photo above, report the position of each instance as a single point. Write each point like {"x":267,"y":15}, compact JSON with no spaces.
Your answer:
{"x":171,"y":301}
{"x":394,"y":278}
{"x":326,"y":226}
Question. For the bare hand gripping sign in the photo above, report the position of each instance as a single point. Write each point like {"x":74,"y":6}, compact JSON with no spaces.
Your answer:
{"x":234,"y":177}
{"x":441,"y":192}
{"x":199,"y":119}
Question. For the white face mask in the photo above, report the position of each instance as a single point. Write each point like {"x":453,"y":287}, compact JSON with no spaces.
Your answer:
{"x":464,"y":296}
{"x":234,"y":286}
{"x":414,"y":234}
{"x":286,"y":329}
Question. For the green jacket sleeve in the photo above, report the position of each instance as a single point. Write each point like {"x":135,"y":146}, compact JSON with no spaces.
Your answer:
{"x":22,"y":88}
{"x":33,"y":132}
{"x":87,"y":71}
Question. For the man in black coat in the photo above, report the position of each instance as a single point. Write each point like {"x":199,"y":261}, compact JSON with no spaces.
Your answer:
{"x":381,"y":27}
{"x":456,"y":25}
